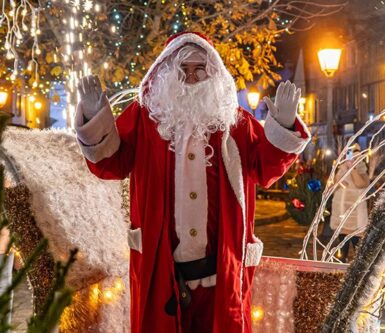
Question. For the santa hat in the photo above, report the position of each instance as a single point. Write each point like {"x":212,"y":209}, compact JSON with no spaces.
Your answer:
{"x":174,"y":43}
{"x":170,"y":39}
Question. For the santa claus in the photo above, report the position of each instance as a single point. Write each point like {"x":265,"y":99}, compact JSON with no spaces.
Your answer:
{"x":193,"y":157}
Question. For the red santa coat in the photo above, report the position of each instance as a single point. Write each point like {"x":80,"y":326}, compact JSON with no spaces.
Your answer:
{"x":249,"y":156}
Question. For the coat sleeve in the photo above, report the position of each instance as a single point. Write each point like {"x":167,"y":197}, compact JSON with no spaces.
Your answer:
{"x":112,"y":156}
{"x":273,"y":148}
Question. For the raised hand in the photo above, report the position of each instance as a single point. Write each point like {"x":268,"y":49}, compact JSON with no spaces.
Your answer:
{"x":92,"y":97}
{"x":284,"y":110}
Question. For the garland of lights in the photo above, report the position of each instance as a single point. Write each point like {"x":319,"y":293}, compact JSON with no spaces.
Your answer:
{"x":14,"y":37}
{"x":331,"y":186}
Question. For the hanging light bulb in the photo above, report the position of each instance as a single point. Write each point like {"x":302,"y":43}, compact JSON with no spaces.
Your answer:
{"x":10,"y":55}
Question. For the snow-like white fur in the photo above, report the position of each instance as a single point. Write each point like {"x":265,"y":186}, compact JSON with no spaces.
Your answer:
{"x":253,"y":252}
{"x":233,"y":166}
{"x":285,"y":139}
{"x":90,"y":135}
{"x":72,"y":208}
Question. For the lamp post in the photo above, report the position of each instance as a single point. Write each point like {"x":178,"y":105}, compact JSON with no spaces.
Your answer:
{"x":253,"y":100}
{"x":329,"y":60}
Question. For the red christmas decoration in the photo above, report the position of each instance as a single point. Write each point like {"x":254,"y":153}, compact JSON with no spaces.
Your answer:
{"x":298,"y":204}
{"x":304,"y":169}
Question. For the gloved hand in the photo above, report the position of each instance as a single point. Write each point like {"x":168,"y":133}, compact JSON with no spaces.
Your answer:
{"x":284,"y":110}
{"x":92,"y":97}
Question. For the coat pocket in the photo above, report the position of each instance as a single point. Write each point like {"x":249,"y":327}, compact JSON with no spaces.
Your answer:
{"x":253,"y":252}
{"x":135,"y":239}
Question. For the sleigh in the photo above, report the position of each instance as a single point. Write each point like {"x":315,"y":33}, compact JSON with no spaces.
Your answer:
{"x":52,"y":194}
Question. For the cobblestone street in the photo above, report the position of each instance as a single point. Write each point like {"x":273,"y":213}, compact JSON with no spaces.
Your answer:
{"x":282,"y":239}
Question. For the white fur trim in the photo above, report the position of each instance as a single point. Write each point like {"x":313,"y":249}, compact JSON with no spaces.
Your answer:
{"x":254,"y":252}
{"x":285,"y":139}
{"x":209,"y":281}
{"x":108,"y":147}
{"x":135,"y":239}
{"x":232,"y":161}
{"x":190,"y":176}
{"x":175,"y":45}
{"x":91,"y":134}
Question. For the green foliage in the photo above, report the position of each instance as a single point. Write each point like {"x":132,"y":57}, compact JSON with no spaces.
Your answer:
{"x":298,"y":190}
{"x":316,"y":169}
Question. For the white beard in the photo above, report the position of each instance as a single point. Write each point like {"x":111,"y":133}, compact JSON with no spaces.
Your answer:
{"x":208,"y":105}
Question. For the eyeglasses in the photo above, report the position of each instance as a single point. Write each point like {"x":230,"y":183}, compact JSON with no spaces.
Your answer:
{"x":195,"y":71}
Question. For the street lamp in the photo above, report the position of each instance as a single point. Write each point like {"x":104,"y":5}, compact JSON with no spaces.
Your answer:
{"x":253,"y":100}
{"x":3,"y":98}
{"x":329,"y":60}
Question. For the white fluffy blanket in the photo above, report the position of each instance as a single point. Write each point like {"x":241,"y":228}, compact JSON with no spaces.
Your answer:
{"x":71,"y":207}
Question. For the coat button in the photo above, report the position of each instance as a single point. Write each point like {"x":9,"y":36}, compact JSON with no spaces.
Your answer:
{"x":191,"y":156}
{"x":184,"y":295}
{"x":193,"y":232}
{"x":193,"y":195}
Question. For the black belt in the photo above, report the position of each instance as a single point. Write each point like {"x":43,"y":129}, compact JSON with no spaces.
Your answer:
{"x":187,"y":271}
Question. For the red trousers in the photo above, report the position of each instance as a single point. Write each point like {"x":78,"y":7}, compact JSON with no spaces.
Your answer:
{"x":199,"y":315}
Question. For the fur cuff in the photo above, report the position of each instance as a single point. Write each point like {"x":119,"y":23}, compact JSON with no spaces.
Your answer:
{"x":98,"y":138}
{"x":285,"y":139}
{"x":135,"y":239}
{"x":92,"y":132}
{"x":108,"y":147}
{"x":253,"y":252}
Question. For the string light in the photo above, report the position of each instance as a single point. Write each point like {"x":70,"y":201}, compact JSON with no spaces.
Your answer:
{"x":374,"y":187}
{"x":257,"y":313}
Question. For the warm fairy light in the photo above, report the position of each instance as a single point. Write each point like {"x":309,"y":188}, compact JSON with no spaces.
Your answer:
{"x":257,"y":313}
{"x":108,"y":295}
{"x":95,"y":290}
{"x":9,"y":55}
{"x":119,"y":285}
{"x":87,"y":5}
{"x":38,"y":105}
